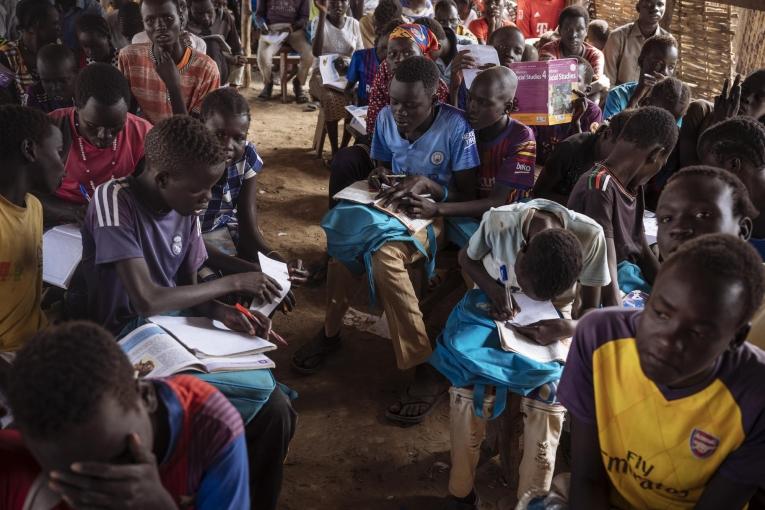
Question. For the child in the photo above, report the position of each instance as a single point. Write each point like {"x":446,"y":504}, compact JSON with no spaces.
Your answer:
{"x":94,"y":38}
{"x":372,"y":24}
{"x":518,"y":245}
{"x":612,"y":192}
{"x":152,"y":71}
{"x":30,"y":148}
{"x":495,"y":16}
{"x":505,"y":146}
{"x":364,"y":65}
{"x":95,"y":433}
{"x":664,"y":402}
{"x":102,"y":141}
{"x":142,"y":249}
{"x":672,"y":95}
{"x":434,"y":146}
{"x":57,"y":68}
{"x":586,"y":115}
{"x":574,"y":156}
{"x":625,"y":42}
{"x":333,"y":32}
{"x":447,"y":14}
{"x":597,"y":33}
{"x":738,"y":145}
{"x":572,"y":26}
{"x":447,"y":46}
{"x":217,"y":26}
{"x":657,"y":60}
{"x":700,"y":200}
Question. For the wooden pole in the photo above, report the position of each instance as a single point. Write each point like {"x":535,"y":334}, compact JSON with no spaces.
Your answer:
{"x":246,"y":40}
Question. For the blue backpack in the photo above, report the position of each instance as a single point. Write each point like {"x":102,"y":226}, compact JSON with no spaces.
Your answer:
{"x":468,"y":352}
{"x":356,"y":231}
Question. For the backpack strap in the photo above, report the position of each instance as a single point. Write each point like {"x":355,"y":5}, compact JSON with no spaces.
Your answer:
{"x":500,"y":400}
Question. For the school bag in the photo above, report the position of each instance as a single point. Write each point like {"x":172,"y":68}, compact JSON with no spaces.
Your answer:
{"x":468,"y":353}
{"x":356,"y":231}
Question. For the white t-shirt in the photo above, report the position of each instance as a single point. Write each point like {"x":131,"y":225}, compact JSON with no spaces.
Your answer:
{"x":343,"y":41}
{"x":503,"y":229}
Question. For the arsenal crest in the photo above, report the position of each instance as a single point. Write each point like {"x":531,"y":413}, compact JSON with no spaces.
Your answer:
{"x":702,"y":444}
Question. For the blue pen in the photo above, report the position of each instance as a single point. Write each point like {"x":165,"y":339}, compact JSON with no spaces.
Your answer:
{"x":84,"y":193}
{"x":505,"y":277}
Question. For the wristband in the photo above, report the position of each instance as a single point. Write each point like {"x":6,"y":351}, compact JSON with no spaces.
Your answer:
{"x":446,"y":194}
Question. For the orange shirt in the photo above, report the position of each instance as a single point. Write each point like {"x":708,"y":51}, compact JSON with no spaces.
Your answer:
{"x":199,"y":77}
{"x":480,"y":28}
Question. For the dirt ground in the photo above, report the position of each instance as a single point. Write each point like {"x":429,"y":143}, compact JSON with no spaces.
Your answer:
{"x":345,"y":455}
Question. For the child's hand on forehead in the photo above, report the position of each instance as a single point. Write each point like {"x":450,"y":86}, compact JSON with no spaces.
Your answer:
{"x":135,"y":485}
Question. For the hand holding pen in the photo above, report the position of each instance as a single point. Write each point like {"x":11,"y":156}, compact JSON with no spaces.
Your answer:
{"x":261,"y":323}
{"x":505,"y":307}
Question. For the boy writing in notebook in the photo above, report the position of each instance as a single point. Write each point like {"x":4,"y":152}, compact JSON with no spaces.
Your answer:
{"x":541,"y":248}
{"x":665,"y":402}
{"x":30,"y":149}
{"x":612,"y":192}
{"x":93,"y":434}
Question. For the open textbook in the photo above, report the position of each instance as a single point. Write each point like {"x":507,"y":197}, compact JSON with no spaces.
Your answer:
{"x":62,"y":252}
{"x":154,"y":352}
{"x":531,"y":312}
{"x":333,"y":71}
{"x":278,"y":271}
{"x":207,"y":338}
{"x":359,"y":192}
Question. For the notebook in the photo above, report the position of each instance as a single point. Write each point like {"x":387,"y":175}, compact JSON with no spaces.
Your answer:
{"x":359,"y":192}
{"x":62,"y":252}
{"x":278,"y":271}
{"x":532,"y":311}
{"x":206,"y":338}
{"x":154,"y":352}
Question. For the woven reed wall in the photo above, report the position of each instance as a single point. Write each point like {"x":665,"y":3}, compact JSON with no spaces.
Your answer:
{"x":705,"y":32}
{"x":749,"y":43}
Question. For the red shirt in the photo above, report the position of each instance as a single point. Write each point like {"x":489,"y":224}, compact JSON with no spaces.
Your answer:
{"x":99,"y":161}
{"x":480,"y":28}
{"x":535,"y":17}
{"x":553,"y":50}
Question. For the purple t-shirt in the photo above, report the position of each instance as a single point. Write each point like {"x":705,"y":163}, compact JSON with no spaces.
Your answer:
{"x":548,"y":137}
{"x":661,"y":446}
{"x":118,"y":227}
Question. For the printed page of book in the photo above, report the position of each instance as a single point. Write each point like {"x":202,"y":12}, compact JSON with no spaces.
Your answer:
{"x":62,"y":252}
{"x":278,"y":271}
{"x":234,"y":363}
{"x":483,"y":55}
{"x":357,"y":192}
{"x":330,"y":77}
{"x":205,"y":337}
{"x":154,"y":353}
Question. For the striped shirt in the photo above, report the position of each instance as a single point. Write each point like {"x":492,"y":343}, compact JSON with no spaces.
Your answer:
{"x":508,"y":160}
{"x":24,"y":77}
{"x":199,"y":77}
{"x":119,"y":227}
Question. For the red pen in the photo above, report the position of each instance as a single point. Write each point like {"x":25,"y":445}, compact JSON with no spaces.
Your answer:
{"x":254,"y":319}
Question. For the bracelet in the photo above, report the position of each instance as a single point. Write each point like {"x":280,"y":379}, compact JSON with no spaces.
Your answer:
{"x":446,"y":194}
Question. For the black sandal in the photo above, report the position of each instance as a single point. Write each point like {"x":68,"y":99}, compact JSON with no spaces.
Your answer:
{"x":406,"y":400}
{"x":310,"y":358}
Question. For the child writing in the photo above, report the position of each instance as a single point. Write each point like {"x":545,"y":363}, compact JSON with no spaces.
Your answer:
{"x":93,"y":433}
{"x":653,"y":392}
{"x":612,"y":192}
{"x":30,"y":148}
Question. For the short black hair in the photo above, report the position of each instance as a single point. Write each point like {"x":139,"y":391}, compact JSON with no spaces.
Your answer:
{"x":56,"y":53}
{"x":31,"y":12}
{"x":93,"y":24}
{"x":661,"y":42}
{"x":61,"y":375}
{"x":502,"y":30}
{"x":226,"y":101}
{"x":742,"y":204}
{"x":672,"y":94}
{"x":102,"y":82}
{"x":651,"y":125}
{"x":740,"y":136}
{"x":389,"y":27}
{"x":599,"y":28}
{"x":416,"y":69}
{"x":553,"y":260}
{"x":386,"y":11}
{"x":728,"y":258}
{"x":179,"y":141}
{"x":19,"y":123}
{"x":571,"y":12}
{"x":618,"y":121}
{"x":432,"y":25}
{"x":589,"y":72}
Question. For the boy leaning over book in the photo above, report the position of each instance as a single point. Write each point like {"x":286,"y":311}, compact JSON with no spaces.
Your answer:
{"x":541,"y":248}
{"x":142,"y":248}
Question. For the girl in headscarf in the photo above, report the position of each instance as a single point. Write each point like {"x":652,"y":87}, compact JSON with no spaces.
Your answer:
{"x":407,"y":40}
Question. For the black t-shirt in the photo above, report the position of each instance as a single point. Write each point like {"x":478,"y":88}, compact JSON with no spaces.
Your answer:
{"x":571,"y":158}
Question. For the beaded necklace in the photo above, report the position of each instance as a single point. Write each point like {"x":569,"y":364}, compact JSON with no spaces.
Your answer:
{"x":85,"y":159}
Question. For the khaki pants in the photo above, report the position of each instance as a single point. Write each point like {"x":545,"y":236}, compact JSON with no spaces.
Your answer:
{"x":542,"y":425}
{"x":297,"y":41}
{"x":394,"y":291}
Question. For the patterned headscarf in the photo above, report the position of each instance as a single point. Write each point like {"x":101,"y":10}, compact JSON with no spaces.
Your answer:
{"x":423,"y":37}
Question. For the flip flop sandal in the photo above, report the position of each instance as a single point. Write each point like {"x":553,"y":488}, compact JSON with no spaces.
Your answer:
{"x":408,"y":400}
{"x":318,"y":350}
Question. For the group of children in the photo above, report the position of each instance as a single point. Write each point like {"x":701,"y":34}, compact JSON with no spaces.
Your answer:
{"x":140,"y":146}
